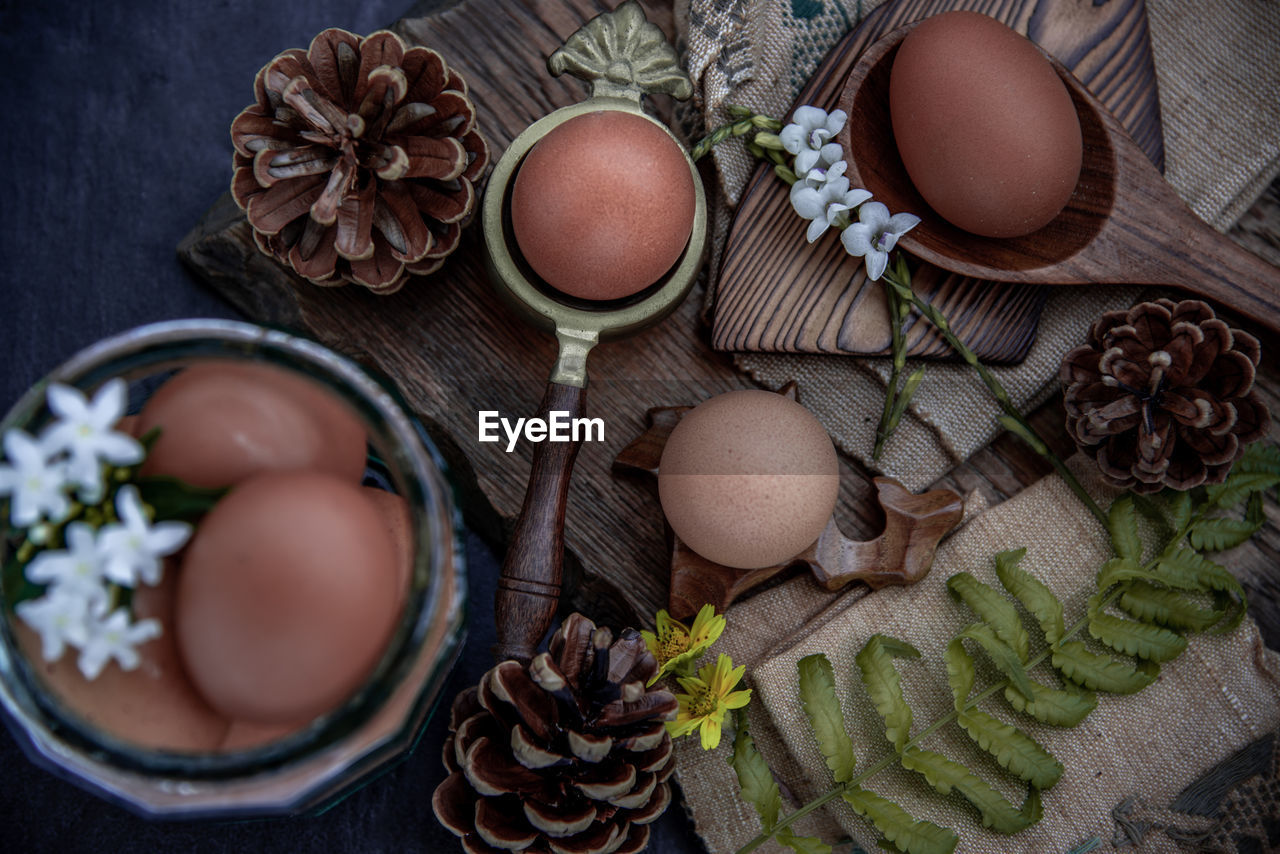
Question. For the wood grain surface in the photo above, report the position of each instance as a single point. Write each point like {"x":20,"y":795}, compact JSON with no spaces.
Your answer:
{"x":778,"y":294}
{"x":454,"y":349}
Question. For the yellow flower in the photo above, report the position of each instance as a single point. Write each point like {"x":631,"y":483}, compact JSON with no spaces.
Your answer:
{"x":710,"y":695}
{"x":676,"y":644}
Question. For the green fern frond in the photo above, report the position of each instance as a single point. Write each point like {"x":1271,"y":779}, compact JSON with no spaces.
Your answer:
{"x":897,"y":825}
{"x":992,"y":608}
{"x":1101,"y":672}
{"x":1032,"y":593}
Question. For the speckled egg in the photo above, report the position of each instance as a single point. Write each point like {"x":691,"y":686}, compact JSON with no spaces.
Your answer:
{"x":986,"y":128}
{"x":602,"y":207}
{"x":748,"y":479}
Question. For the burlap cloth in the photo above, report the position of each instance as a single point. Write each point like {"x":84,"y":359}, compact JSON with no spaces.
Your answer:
{"x":1131,"y":753}
{"x":1218,"y":71}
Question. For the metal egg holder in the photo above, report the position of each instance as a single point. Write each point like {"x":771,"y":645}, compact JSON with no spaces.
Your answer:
{"x":605,"y":52}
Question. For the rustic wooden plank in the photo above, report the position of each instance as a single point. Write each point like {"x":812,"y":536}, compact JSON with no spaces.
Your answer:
{"x":777,"y":293}
{"x":453,"y":349}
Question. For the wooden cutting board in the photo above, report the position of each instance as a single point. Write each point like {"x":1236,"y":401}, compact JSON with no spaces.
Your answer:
{"x":777,"y":293}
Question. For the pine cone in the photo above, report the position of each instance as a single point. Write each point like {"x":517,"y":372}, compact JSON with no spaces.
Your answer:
{"x":569,"y":755}
{"x":357,"y":162}
{"x":1162,"y":395}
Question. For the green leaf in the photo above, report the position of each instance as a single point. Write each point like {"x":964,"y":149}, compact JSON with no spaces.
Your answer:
{"x":960,"y":672}
{"x":1118,"y":570}
{"x":1032,"y":593}
{"x":1180,"y":510}
{"x":945,"y":775}
{"x":992,"y":608}
{"x":1167,"y":607}
{"x":897,"y":825}
{"x":754,"y":777}
{"x":1134,"y":638}
{"x":1102,"y":672}
{"x":1258,"y":457}
{"x":1238,"y":485}
{"x":1186,"y":564}
{"x":883,"y":684}
{"x":1016,"y":751}
{"x":802,"y":844}
{"x":173,"y":499}
{"x":1153,"y":511}
{"x":1220,"y":534}
{"x":818,"y":697}
{"x":1122,"y":523}
{"x":1052,"y":706}
{"x":1001,"y":655}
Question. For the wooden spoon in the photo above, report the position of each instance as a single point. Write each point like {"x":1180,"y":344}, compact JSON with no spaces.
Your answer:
{"x":1124,"y":224}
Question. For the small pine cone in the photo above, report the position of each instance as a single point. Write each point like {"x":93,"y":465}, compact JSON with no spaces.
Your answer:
{"x":569,"y":755}
{"x":1162,"y":395}
{"x":358,"y":161}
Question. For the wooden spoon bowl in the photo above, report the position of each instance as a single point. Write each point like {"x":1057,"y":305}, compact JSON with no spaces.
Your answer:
{"x":1122,"y":224}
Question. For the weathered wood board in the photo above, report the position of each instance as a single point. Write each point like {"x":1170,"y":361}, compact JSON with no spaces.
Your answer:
{"x":454,"y":349}
{"x":777,"y":293}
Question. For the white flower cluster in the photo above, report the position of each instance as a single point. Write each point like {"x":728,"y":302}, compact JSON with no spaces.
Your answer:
{"x":77,"y":608}
{"x":822,"y":193}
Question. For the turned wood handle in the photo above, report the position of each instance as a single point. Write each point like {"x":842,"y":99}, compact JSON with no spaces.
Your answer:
{"x":529,"y":586}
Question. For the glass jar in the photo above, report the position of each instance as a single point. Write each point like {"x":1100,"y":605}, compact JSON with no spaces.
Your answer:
{"x":334,"y":753}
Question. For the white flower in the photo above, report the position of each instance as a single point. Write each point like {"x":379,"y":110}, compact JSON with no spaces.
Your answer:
{"x":78,"y":569}
{"x":133,"y":547}
{"x":824,"y":204}
{"x":809,"y":137}
{"x":35,"y":484}
{"x":60,"y":617}
{"x":821,"y":174}
{"x":84,"y":431}
{"x":876,"y":235}
{"x":115,"y":637}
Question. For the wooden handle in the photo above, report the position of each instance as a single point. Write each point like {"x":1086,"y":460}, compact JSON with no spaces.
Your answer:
{"x":1215,"y":266}
{"x":529,"y":586}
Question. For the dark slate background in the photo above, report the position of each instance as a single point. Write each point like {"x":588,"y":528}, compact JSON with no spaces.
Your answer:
{"x":115,"y":142}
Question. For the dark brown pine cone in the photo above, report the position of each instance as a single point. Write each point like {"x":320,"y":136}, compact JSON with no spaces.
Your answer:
{"x":1162,"y":395}
{"x":567,"y":756}
{"x":358,"y":161}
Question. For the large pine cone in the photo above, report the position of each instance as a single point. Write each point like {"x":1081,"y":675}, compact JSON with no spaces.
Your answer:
{"x":1162,"y":395}
{"x":357,"y":162}
{"x":570,"y":755}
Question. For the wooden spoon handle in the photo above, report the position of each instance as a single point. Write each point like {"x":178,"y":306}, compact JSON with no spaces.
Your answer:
{"x":1218,"y":268}
{"x":529,"y":586}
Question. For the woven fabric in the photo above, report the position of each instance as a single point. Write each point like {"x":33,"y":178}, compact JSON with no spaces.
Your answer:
{"x":1218,"y":72}
{"x":1128,"y":762}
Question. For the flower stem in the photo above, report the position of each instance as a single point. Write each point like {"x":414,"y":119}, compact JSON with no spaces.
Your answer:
{"x":895,"y":276}
{"x":744,"y":122}
{"x":1013,"y":419}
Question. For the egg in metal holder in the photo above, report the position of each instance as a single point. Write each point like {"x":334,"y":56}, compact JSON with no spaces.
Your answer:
{"x":623,"y":57}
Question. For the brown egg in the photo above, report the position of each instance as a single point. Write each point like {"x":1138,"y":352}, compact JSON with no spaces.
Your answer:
{"x":222,"y":422}
{"x":986,"y":128}
{"x":244,"y":735}
{"x":602,"y":206}
{"x":286,"y":598}
{"x":395,"y":515}
{"x":154,"y":705}
{"x":748,"y":479}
